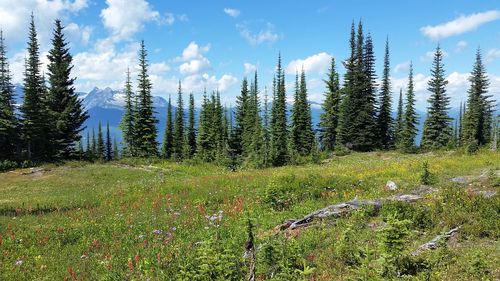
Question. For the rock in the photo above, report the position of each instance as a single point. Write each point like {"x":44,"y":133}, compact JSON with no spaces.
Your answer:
{"x":462,"y":180}
{"x":391,"y":185}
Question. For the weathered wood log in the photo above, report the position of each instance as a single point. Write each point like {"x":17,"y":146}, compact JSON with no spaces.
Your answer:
{"x":434,"y":243}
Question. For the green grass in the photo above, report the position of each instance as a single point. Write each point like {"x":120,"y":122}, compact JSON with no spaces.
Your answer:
{"x":138,"y":219}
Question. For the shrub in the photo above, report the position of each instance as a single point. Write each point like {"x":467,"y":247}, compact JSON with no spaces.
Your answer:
{"x":425,"y":176}
{"x":7,"y":165}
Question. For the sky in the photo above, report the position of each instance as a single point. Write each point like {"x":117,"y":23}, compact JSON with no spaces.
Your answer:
{"x":215,"y":44}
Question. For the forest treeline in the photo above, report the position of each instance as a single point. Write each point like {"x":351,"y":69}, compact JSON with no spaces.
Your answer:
{"x":259,"y":132}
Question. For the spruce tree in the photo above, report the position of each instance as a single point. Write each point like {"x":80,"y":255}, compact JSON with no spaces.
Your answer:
{"x":101,"y":147}
{"x":279,"y":131}
{"x":398,"y":130}
{"x":254,"y":124}
{"x":265,"y":132}
{"x":302,"y":133}
{"x":116,"y":151}
{"x":95,"y":153}
{"x":127,"y":123}
{"x":109,"y":144}
{"x":410,"y":116}
{"x":478,"y":114}
{"x":9,"y":135}
{"x":35,"y":127}
{"x":458,"y":126}
{"x":437,"y":130}
{"x":242,"y":103}
{"x":168,"y":137}
{"x":65,"y":109}
{"x":191,"y":131}
{"x":384,"y":118}
{"x":145,"y":122}
{"x":331,"y":107}
{"x":204,"y":145}
{"x":178,"y":134}
{"x":88,"y":151}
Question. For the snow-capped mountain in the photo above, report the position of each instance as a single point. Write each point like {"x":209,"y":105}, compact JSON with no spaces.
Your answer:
{"x":112,"y":99}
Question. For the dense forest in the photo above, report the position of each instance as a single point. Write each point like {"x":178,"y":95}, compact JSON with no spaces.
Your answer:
{"x":259,"y":132}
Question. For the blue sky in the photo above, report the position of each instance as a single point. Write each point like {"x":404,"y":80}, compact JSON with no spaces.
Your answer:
{"x":214,"y":44}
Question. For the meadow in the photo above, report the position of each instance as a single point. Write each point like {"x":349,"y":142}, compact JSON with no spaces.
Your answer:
{"x":136,"y":219}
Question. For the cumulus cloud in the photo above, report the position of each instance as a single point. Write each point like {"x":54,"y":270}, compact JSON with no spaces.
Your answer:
{"x":77,"y":33}
{"x":492,"y":55}
{"x":460,"y":25}
{"x":317,"y":63}
{"x":14,"y":16}
{"x":249,"y":68}
{"x":193,"y":60}
{"x":194,"y":66}
{"x":265,"y":34}
{"x":194,"y":51}
{"x":232,"y":12}
{"x":402,"y":67}
{"x":124,"y":18}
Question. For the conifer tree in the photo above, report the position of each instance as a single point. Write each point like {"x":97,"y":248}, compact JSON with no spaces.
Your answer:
{"x":279,"y":131}
{"x":88,"y":151}
{"x":265,"y":132}
{"x":145,"y":122}
{"x":116,"y":151}
{"x":410,"y":116}
{"x":178,"y":133}
{"x":127,"y":123}
{"x":302,"y":133}
{"x":9,"y":135}
{"x":109,"y":144}
{"x":437,"y":130}
{"x":95,"y":153}
{"x":35,"y":127}
{"x":65,"y":109}
{"x":168,"y":137}
{"x":254,"y":125}
{"x":204,"y":145}
{"x":458,"y":126}
{"x":242,"y":103}
{"x":191,"y":132}
{"x":384,"y":118}
{"x":478,"y":114}
{"x":101,"y":147}
{"x":398,"y":130}
{"x":331,"y":107}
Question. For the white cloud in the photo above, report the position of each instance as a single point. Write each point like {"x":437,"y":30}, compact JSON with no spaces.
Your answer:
{"x":492,"y":55}
{"x":402,"y":67}
{"x":194,"y":51}
{"x":249,"y":68}
{"x":169,"y":19}
{"x":15,"y":15}
{"x":77,"y":33}
{"x":266,"y":34}
{"x":460,"y":25}
{"x":429,"y":56}
{"x":124,"y":18}
{"x":183,"y":18}
{"x":461,"y":45}
{"x":232,"y":12}
{"x":194,"y":66}
{"x":317,"y":63}
{"x":158,"y":68}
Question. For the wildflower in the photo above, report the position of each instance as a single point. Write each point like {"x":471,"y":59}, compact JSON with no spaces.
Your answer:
{"x":19,"y":262}
{"x":174,"y":228}
{"x":157,"y":231}
{"x":84,"y":256}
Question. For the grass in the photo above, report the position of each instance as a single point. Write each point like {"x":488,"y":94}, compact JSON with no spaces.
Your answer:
{"x":139,"y":219}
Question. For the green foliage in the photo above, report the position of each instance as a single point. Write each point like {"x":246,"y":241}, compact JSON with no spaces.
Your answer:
{"x":178,"y":132}
{"x":278,"y":124}
{"x":410,"y":122}
{"x":425,"y":176}
{"x":302,"y":135}
{"x":331,"y":106}
{"x":437,"y":131}
{"x":127,"y":123}
{"x":386,"y":131}
{"x":392,"y":239}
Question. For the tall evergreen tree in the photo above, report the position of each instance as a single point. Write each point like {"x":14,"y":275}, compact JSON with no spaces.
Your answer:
{"x":101,"y":146}
{"x":88,"y":151}
{"x":127,"y":123}
{"x":302,"y":133}
{"x":437,"y":130}
{"x":459,"y":125}
{"x":145,"y":122}
{"x":478,"y":114}
{"x":265,"y":131}
{"x":242,"y":104}
{"x":109,"y":144}
{"x":254,"y":123}
{"x":384,"y":118}
{"x":279,"y":130}
{"x":9,"y":135}
{"x":34,"y":112}
{"x":399,"y":128}
{"x":95,"y":153}
{"x":65,"y":109}
{"x":204,"y":144}
{"x":116,"y":151}
{"x":331,"y":107}
{"x":178,"y":134}
{"x":191,"y":131}
{"x":410,"y":116}
{"x":168,"y":137}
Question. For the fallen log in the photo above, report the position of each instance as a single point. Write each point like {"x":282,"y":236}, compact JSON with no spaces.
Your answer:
{"x":345,"y":208}
{"x":434,"y":243}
